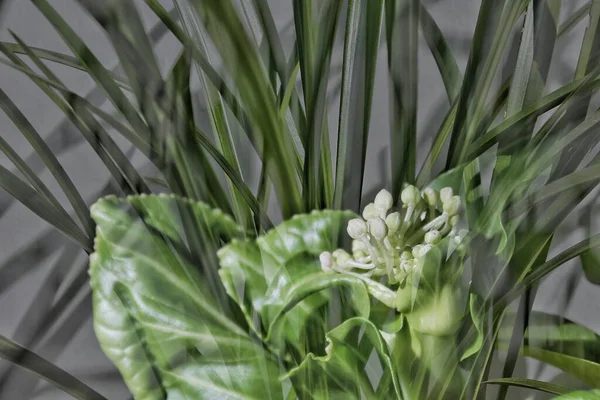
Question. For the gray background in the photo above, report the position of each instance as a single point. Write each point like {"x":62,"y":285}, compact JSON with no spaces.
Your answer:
{"x":27,"y":242}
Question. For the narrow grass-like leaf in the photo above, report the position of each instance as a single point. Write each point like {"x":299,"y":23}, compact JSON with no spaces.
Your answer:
{"x":218,"y":113}
{"x":237,"y":50}
{"x":361,"y":44}
{"x":48,"y":371}
{"x":402,"y":22}
{"x":40,"y":206}
{"x":442,"y":53}
{"x":487,"y":23}
{"x":49,"y":159}
{"x":574,"y":19}
{"x":583,"y":369}
{"x":530,"y":384}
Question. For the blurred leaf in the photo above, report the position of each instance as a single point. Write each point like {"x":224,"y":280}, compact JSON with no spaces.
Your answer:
{"x":156,"y":317}
{"x":361,"y":45}
{"x":39,"y":205}
{"x":338,"y":368}
{"x":402,"y":21}
{"x":47,"y":371}
{"x":442,"y":53}
{"x":530,"y":384}
{"x":271,"y":275}
{"x":580,"y":368}
{"x":218,"y":115}
{"x":581,"y":395}
{"x":574,"y":19}
{"x":237,"y":49}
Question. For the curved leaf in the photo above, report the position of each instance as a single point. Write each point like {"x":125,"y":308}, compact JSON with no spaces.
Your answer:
{"x":583,"y":369}
{"x":530,"y":384}
{"x":581,"y":395}
{"x":155,"y":314}
{"x":280,"y":270}
{"x":339,"y":366}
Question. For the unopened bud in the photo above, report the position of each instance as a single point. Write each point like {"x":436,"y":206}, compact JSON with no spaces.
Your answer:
{"x":357,"y":228}
{"x":341,"y":257}
{"x":430,"y":196}
{"x":378,"y":229}
{"x":406,"y":255}
{"x":420,"y":250}
{"x":410,"y":195}
{"x":393,"y":222}
{"x":370,"y":211}
{"x":383,"y":201}
{"x":453,"y":220}
{"x":358,"y":245}
{"x":446,"y":193}
{"x":452,"y":205}
{"x":433,"y":237}
{"x":326,"y":261}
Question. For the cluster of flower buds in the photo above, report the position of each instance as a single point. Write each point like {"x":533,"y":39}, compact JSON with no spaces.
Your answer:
{"x":390,"y":241}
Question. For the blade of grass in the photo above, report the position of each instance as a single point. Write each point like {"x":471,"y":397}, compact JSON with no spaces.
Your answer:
{"x":530,"y":384}
{"x":48,"y":371}
{"x":442,"y":53}
{"x":361,"y":46}
{"x":111,"y":155}
{"x":481,"y":50}
{"x":402,"y":21}
{"x":237,"y":49}
{"x":218,"y":115}
{"x":574,"y":19}
{"x":39,"y":205}
{"x":315,"y":44}
{"x":49,"y":159}
{"x":588,"y":58}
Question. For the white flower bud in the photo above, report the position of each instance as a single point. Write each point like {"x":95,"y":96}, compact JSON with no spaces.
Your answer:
{"x":370,"y":211}
{"x":430,"y":196}
{"x":446,"y":193}
{"x":410,"y":195}
{"x":433,"y":237}
{"x":326,"y":261}
{"x":407,"y":266}
{"x":406,"y":255}
{"x":358,"y":245}
{"x":378,"y":229}
{"x":357,"y":228}
{"x":420,"y":250}
{"x":393,"y":222}
{"x":383,"y":200}
{"x":454,"y":220}
{"x":341,"y":257}
{"x":452,"y":205}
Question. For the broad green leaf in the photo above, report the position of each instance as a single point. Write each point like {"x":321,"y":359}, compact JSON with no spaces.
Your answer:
{"x":279,"y":272}
{"x":585,"y":370}
{"x":155,"y":315}
{"x":590,"y":262}
{"x":10,"y":351}
{"x":530,"y":384}
{"x":337,"y":369}
{"x":580,"y":395}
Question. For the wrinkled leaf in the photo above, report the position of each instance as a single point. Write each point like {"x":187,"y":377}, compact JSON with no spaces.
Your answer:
{"x":157,"y":318}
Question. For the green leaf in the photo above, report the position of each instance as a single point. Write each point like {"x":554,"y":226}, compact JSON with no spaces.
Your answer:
{"x":402,"y":20}
{"x":530,"y":384}
{"x":361,"y":46}
{"x":10,"y":350}
{"x":583,"y":369}
{"x":155,"y":315}
{"x":338,"y":368}
{"x":574,"y":19}
{"x":580,"y":395}
{"x":280,"y":270}
{"x":476,"y":313}
{"x":442,"y":53}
